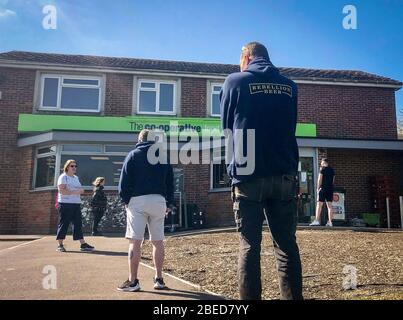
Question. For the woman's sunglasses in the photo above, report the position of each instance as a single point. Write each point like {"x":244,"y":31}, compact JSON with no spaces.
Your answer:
{"x":73,"y":166}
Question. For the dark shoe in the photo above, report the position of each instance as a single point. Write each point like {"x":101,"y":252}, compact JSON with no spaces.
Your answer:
{"x":130,"y":286}
{"x":61,"y":248}
{"x":159,"y":284}
{"x":86,"y":247}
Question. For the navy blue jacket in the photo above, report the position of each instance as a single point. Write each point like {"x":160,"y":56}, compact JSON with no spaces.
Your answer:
{"x":262,"y":99}
{"x":139,"y":177}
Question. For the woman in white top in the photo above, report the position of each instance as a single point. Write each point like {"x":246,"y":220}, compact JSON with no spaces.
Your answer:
{"x":69,"y":200}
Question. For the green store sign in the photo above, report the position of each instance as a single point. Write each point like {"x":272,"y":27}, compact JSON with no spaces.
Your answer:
{"x":29,"y":123}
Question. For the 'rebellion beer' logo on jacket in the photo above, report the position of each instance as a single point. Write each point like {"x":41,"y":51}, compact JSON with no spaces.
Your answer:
{"x":270,"y":88}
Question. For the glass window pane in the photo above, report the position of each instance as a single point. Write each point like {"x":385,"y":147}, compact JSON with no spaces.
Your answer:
{"x":45,"y":172}
{"x":124,"y":149}
{"x":215,"y":108}
{"x":147,"y":101}
{"x":80,"y":98}
{"x":81,"y":82}
{"x":148,"y":85}
{"x":220,"y":177}
{"x":50,"y":89}
{"x":217,"y":88}
{"x":47,"y":150}
{"x":82,"y":147}
{"x":90,"y":167}
{"x":166,"y":97}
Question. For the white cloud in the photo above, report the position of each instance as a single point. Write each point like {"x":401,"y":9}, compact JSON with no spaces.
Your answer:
{"x":4,"y":13}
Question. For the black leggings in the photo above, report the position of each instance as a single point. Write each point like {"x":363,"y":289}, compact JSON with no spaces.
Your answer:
{"x":97,"y":215}
{"x":69,"y":213}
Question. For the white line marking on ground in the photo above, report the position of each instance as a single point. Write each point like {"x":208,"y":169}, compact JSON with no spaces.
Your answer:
{"x":22,"y":244}
{"x":198,"y":287}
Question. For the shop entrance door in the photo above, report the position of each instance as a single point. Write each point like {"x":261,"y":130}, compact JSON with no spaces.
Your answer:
{"x":306,"y":179}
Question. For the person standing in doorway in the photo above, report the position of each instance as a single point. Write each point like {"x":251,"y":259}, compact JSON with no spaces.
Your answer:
{"x":69,"y":206}
{"x":98,"y":204}
{"x":325,"y":192}
{"x":260,"y":99}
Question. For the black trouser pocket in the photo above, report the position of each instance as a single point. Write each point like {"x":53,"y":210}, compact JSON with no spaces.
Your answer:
{"x":288,"y":187}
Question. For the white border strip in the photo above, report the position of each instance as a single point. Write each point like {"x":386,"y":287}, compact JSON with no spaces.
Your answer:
{"x":198,"y":287}
{"x":22,"y":244}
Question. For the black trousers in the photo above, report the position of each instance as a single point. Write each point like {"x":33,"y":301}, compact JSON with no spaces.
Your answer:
{"x":97,"y":213}
{"x":275,"y":196}
{"x":69,"y":213}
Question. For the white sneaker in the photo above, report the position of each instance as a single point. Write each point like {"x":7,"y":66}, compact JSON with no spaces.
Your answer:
{"x":329,"y":224}
{"x":159,"y":284}
{"x":315,"y":223}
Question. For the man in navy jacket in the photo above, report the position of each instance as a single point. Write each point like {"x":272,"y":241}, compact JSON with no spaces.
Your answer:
{"x":260,"y":100}
{"x":147,"y":191}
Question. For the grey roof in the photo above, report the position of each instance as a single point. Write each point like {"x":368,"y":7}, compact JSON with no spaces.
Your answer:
{"x":187,"y":67}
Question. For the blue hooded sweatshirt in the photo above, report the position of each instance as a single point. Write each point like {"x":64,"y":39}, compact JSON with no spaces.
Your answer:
{"x":139,"y":177}
{"x":261,"y":99}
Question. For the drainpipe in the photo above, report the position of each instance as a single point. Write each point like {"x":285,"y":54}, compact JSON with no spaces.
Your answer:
{"x":401,"y":211}
{"x":388,"y":211}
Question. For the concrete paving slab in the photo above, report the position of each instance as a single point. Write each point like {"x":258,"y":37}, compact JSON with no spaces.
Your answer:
{"x":24,"y":270}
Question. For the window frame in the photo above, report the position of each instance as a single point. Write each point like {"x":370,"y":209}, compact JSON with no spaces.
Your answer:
{"x":61,"y":78}
{"x":157,"y":93}
{"x":44,"y":155}
{"x":212,"y":92}
{"x":214,"y":159}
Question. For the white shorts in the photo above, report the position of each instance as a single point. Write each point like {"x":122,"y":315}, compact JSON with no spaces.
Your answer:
{"x":146,"y":210}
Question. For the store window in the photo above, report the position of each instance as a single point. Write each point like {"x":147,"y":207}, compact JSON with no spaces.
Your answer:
{"x":220,"y":176}
{"x":156,"y":97}
{"x":96,"y":160}
{"x":215,"y":99}
{"x":45,"y":165}
{"x":91,"y":166}
{"x":93,"y":160}
{"x":70,"y":93}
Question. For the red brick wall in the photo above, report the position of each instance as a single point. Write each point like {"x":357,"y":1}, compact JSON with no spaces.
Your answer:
{"x":348,"y":112}
{"x":216,"y":205}
{"x":17,"y":87}
{"x":353,"y":169}
{"x":36,"y":212}
{"x":119,"y":94}
{"x":193,"y":97}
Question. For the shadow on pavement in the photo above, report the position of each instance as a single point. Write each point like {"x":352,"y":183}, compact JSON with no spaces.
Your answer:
{"x":184,"y":294}
{"x":100,"y":252}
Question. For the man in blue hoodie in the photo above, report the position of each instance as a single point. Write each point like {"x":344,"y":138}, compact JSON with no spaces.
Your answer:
{"x":260,"y":100}
{"x":147,"y":190}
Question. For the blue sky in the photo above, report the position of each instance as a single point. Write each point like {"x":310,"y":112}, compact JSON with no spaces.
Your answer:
{"x":298,"y":33}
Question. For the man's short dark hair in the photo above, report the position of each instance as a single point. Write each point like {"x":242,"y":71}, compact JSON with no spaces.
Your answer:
{"x":257,"y":49}
{"x":325,"y":160}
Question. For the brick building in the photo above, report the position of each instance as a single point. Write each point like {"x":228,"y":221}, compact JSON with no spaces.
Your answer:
{"x":55,"y":107}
